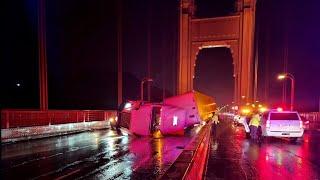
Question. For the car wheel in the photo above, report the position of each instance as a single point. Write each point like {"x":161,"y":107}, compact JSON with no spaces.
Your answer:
{"x":265,"y":138}
{"x":294,"y":139}
{"x":248,"y":135}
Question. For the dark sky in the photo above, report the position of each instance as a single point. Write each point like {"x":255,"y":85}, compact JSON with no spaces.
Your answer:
{"x":81,"y":38}
{"x":298,"y":23}
{"x":82,"y":49}
{"x":217,"y":79}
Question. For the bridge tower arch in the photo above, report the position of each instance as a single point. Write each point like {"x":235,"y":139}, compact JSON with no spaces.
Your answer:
{"x":235,"y":32}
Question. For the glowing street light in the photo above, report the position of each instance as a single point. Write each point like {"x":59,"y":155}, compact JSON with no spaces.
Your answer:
{"x":141,"y":87}
{"x":290,"y":76}
{"x":281,"y":76}
{"x":245,"y":111}
{"x":243,"y":99}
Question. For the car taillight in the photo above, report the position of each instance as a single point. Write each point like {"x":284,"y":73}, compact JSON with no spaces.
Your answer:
{"x":301,"y":125}
{"x":279,"y":109}
{"x":268,"y":124}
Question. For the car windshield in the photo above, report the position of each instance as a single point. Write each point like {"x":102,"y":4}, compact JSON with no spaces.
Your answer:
{"x":284,"y":116}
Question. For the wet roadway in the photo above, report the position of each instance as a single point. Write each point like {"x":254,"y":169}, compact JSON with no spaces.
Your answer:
{"x":232,"y":156}
{"x":103,"y":154}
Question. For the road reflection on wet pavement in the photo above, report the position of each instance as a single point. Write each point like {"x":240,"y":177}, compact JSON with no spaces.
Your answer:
{"x":103,"y":154}
{"x":232,"y":156}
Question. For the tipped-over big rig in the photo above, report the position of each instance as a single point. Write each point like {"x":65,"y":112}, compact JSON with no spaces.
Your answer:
{"x":171,"y":116}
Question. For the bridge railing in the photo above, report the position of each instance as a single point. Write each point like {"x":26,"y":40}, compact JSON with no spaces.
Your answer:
{"x":313,"y":118}
{"x":27,"y":118}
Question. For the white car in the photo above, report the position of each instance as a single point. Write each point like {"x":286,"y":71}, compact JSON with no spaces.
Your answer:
{"x":282,"y":124}
{"x":243,"y":121}
{"x":239,"y":119}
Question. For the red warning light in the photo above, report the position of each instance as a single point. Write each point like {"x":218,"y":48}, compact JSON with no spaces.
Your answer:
{"x":279,"y":109}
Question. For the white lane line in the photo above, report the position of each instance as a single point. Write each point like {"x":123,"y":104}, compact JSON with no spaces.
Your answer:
{"x":69,"y":174}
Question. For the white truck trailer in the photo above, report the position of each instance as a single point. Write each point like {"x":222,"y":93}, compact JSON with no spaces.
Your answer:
{"x":172,"y":116}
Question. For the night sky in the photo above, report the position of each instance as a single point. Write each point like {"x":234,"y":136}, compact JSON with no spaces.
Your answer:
{"x":217,"y":80}
{"x":82,"y":51}
{"x":300,"y":23}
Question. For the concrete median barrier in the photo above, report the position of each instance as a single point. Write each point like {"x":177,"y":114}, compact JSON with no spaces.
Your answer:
{"x":191,"y":163}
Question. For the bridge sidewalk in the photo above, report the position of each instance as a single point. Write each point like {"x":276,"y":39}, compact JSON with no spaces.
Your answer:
{"x":35,"y":132}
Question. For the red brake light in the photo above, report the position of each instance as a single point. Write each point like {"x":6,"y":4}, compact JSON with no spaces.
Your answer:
{"x":279,"y":109}
{"x":268,"y":124}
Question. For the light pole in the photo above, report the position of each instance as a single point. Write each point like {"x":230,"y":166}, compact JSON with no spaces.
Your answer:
{"x":244,"y":99}
{"x":290,"y":76}
{"x":141,"y":87}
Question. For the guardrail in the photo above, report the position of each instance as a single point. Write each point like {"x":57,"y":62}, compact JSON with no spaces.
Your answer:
{"x":29,"y":118}
{"x":313,"y":118}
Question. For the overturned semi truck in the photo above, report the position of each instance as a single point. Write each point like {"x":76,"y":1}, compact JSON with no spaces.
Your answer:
{"x":171,"y":116}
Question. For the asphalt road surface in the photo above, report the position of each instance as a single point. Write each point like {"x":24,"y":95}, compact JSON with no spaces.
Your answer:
{"x":232,"y":156}
{"x":103,"y":154}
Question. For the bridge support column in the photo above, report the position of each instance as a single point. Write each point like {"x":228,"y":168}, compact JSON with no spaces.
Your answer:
{"x":247,"y":10}
{"x":234,"y":32}
{"x":184,"y":73}
{"x":43,"y":79}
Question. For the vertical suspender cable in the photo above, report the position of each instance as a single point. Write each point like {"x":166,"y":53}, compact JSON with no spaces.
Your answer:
{"x":119,"y":49}
{"x":149,"y":49}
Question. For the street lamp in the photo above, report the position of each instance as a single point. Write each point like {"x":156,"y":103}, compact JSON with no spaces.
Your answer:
{"x":281,"y":76}
{"x":146,"y":79}
{"x":290,"y":76}
{"x":243,"y":99}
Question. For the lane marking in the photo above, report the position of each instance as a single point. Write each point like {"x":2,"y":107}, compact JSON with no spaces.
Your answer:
{"x":69,"y":174}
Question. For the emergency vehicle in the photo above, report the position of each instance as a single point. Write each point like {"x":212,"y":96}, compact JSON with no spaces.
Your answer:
{"x":279,"y":123}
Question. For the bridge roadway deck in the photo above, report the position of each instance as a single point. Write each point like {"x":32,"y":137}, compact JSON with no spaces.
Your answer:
{"x":101,"y":154}
{"x":232,"y":156}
